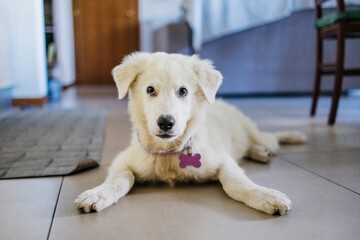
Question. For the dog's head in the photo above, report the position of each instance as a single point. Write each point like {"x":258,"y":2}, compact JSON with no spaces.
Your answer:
{"x":166,"y":91}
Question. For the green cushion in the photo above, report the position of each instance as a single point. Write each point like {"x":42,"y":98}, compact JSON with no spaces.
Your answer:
{"x":335,"y":17}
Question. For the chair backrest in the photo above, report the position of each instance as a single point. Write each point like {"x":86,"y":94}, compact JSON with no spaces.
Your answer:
{"x":340,"y":6}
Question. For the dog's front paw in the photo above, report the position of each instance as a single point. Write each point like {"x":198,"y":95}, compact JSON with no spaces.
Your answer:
{"x":270,"y":201}
{"x":96,"y":199}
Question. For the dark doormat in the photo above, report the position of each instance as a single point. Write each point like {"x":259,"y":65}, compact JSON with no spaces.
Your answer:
{"x":51,"y":142}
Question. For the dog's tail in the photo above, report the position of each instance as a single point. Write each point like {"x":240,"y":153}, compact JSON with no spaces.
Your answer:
{"x":290,"y":137}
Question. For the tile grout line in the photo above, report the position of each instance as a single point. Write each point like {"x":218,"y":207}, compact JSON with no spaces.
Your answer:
{"x":316,"y":152}
{"x":316,"y":174}
{"x":56,"y":204}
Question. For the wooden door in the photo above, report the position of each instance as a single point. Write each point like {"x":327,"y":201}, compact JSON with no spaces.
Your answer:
{"x":104,"y":31}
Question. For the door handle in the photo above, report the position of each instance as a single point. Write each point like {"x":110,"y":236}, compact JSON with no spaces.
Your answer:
{"x":130,"y":13}
{"x":76,"y":12}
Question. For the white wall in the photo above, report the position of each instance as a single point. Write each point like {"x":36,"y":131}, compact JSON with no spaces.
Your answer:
{"x":5,"y":50}
{"x":154,"y":14}
{"x":64,"y":39}
{"x":23,"y":63}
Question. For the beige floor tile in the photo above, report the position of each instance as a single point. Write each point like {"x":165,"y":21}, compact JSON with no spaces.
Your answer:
{"x":27,"y":207}
{"x":342,"y":167}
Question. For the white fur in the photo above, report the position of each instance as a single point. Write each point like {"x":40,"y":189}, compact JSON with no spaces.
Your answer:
{"x":219,"y":132}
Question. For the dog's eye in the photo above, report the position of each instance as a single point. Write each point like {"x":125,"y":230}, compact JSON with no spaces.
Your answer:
{"x":182,"y":92}
{"x":151,"y":91}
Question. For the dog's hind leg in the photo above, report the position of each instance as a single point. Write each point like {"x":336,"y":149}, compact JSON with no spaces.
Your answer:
{"x":268,"y":140}
{"x":239,"y":187}
{"x":118,"y":183}
{"x":268,"y":143}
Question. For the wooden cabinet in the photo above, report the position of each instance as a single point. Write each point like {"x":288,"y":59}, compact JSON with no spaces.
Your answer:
{"x":104,"y":31}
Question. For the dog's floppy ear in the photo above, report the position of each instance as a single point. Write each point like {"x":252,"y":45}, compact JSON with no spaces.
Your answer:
{"x":209,"y":78}
{"x":125,"y":73}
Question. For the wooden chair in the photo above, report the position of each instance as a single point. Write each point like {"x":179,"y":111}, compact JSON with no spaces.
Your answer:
{"x":339,"y":25}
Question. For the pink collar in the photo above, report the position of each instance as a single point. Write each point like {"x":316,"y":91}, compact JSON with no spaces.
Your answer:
{"x":187,"y":146}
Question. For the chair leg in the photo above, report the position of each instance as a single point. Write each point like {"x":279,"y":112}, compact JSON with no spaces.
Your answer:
{"x":340,"y":52}
{"x":317,"y":78}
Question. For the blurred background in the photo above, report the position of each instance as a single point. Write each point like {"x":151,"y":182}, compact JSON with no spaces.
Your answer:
{"x":56,"y":58}
{"x":262,"y":47}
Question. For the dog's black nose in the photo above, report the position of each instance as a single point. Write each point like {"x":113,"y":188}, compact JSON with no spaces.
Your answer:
{"x":166,"y":122}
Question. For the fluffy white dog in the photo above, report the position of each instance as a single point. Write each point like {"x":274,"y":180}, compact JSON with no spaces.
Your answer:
{"x":181,"y":133}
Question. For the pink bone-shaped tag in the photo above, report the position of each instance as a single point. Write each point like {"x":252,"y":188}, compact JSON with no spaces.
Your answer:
{"x":186,"y":160}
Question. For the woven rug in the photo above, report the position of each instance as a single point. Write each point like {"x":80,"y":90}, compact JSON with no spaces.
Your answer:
{"x":37,"y":142}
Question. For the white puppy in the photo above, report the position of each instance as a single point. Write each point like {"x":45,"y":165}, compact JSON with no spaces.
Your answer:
{"x":181,"y":133}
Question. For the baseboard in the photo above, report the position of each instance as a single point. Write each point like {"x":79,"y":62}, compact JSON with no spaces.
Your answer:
{"x":64,"y":87}
{"x":39,"y":102}
{"x":273,"y":94}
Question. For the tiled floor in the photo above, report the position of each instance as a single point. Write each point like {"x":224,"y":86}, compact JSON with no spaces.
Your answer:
{"x":322,"y":178}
